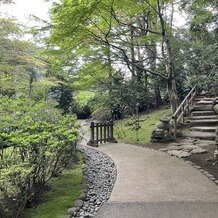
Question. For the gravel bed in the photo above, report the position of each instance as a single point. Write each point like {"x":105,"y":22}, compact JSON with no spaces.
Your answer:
{"x":100,"y":176}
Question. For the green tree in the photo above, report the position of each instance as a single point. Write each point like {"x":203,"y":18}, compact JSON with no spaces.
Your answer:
{"x":114,"y":27}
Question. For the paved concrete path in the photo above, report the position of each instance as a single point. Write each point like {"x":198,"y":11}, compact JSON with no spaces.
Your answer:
{"x":153,"y":184}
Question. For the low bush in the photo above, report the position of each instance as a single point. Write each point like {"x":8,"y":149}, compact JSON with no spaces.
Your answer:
{"x":38,"y":143}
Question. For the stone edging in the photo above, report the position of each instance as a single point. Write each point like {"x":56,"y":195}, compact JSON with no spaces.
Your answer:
{"x":100,"y":176}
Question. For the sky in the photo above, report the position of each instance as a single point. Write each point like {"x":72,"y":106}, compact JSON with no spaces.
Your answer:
{"x":22,"y":9}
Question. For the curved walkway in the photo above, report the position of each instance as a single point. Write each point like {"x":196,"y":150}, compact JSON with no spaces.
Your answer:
{"x":151,"y":184}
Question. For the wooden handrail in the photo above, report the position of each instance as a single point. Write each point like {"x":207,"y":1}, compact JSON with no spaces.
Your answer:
{"x":183,"y":102}
{"x":183,"y":107}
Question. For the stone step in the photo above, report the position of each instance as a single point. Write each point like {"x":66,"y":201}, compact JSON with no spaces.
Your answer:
{"x":202,"y":135}
{"x":203,"y":108}
{"x":204,"y":99}
{"x":207,"y":95}
{"x":211,"y":122}
{"x":204,"y":128}
{"x":205,"y":117}
{"x":204,"y":103}
{"x":203,"y":113}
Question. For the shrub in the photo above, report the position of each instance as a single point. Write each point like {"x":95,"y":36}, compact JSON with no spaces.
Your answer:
{"x":38,"y":144}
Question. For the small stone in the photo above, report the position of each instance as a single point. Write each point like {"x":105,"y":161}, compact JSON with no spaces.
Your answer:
{"x":78,"y":203}
{"x":163,"y":149}
{"x":72,"y":210}
{"x":175,"y":144}
{"x":189,"y":147}
{"x":173,"y":147}
{"x":174,"y":152}
{"x":208,"y":174}
{"x":197,"y":167}
{"x":216,"y":181}
{"x":198,"y":151}
{"x":82,"y":196}
{"x":184,"y":154}
{"x":213,"y":178}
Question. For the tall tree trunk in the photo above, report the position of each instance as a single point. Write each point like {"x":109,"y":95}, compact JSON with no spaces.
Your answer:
{"x":168,"y":61}
{"x":152,"y":55}
{"x":171,"y":82}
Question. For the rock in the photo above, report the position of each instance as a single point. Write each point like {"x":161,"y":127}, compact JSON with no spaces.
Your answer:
{"x":82,"y":196}
{"x":158,"y":134}
{"x":189,"y":147}
{"x":197,"y":167}
{"x":216,"y":108}
{"x":198,"y":151}
{"x":72,"y":210}
{"x":78,"y":203}
{"x":173,"y":147}
{"x":184,"y":154}
{"x":175,"y":144}
{"x":174,"y":152}
{"x":163,"y":149}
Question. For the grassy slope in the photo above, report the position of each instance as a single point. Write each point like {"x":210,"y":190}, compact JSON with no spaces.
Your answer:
{"x":65,"y":190}
{"x":125,"y":133}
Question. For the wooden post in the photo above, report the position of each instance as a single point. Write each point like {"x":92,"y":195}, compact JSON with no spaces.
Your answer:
{"x":92,"y":141}
{"x":108,"y":131}
{"x":104,"y":132}
{"x":183,"y":116}
{"x":101,"y":133}
{"x":111,"y":138}
{"x":175,"y":127}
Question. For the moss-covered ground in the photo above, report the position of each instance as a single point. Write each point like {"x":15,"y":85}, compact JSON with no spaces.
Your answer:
{"x":63,"y":191}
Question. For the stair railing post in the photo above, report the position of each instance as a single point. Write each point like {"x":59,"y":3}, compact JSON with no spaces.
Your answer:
{"x":183,"y":116}
{"x":92,"y":141}
{"x":174,"y":127}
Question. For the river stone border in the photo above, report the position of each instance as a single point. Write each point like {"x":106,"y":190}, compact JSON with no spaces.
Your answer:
{"x":100,"y":176}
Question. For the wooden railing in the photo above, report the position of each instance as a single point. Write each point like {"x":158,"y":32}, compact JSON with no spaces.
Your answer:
{"x":183,"y":109}
{"x":101,"y":132}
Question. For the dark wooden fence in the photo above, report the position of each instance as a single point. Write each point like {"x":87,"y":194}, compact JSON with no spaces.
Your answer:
{"x":101,"y":133}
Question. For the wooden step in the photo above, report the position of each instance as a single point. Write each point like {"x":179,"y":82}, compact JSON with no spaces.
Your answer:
{"x":205,"y":117}
{"x":203,"y":113}
{"x":206,"y":122}
{"x":202,"y":135}
{"x":204,"y":128}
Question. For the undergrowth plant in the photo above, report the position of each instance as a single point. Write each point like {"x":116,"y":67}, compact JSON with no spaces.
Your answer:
{"x":37,"y":142}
